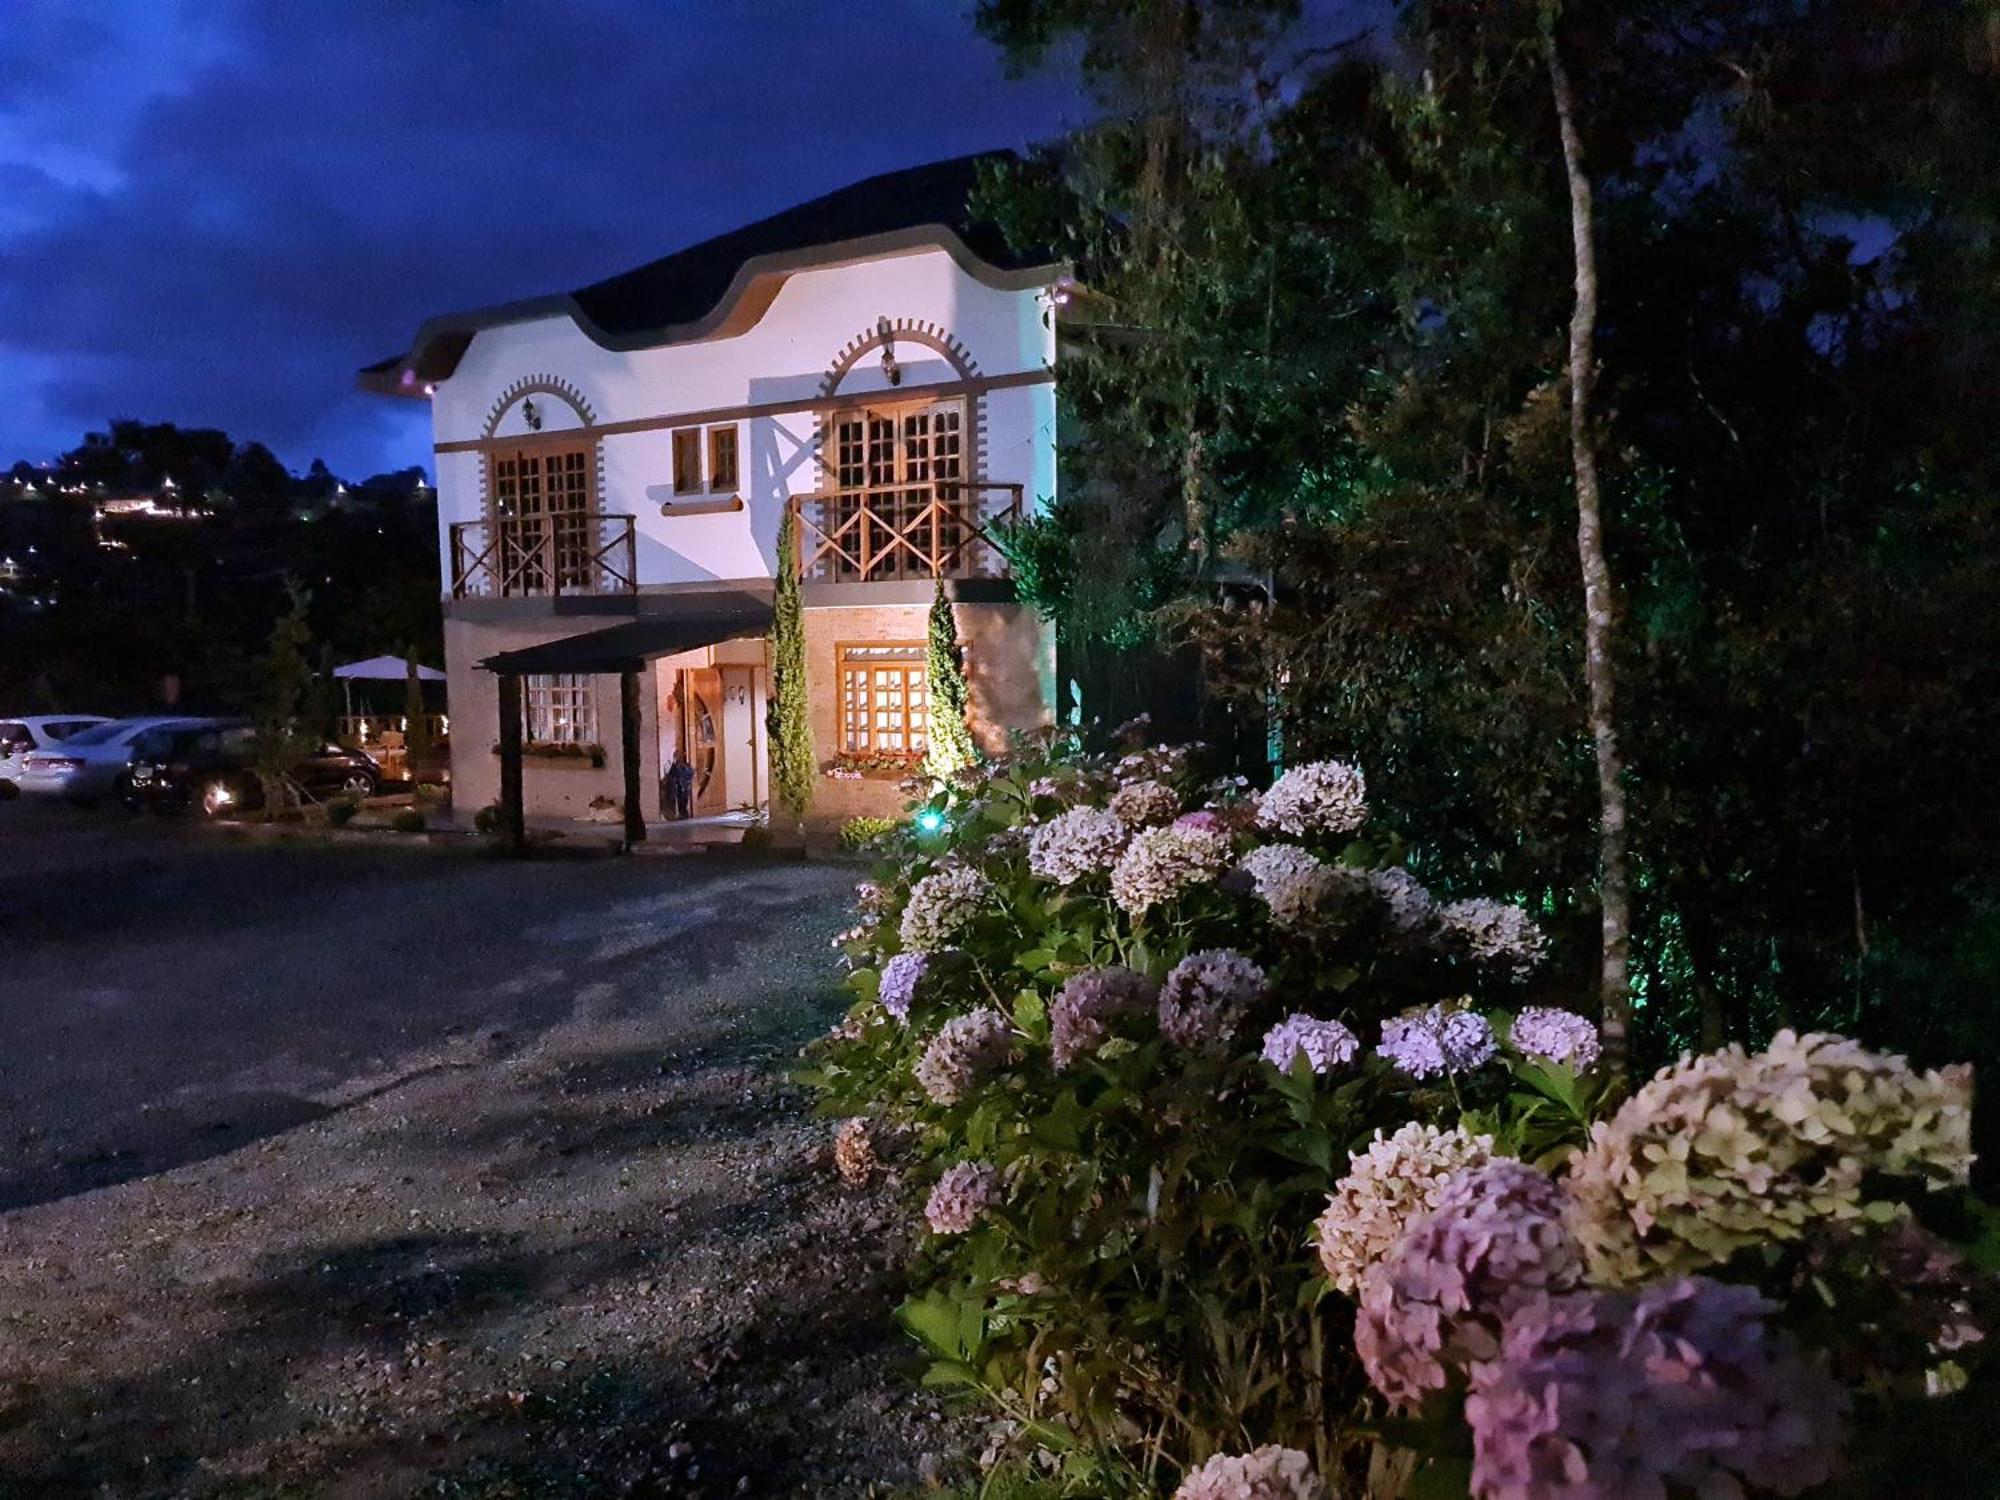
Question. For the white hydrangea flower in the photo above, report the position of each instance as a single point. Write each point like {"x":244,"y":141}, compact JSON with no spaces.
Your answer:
{"x":1324,"y":797}
{"x":1162,"y":863}
{"x":1268,"y":1473}
{"x":1271,"y":865}
{"x":1386,"y":1187}
{"x":1299,"y":887}
{"x":1142,"y":803}
{"x":1411,"y":910}
{"x":1076,"y":843}
{"x":940,"y":906}
{"x":1495,"y":932}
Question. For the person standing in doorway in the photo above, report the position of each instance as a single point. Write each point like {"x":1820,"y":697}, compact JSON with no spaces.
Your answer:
{"x":680,"y":785}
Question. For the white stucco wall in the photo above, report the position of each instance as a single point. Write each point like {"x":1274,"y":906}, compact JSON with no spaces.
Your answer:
{"x":784,"y":357}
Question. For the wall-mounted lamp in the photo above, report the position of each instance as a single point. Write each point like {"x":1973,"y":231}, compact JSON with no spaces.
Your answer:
{"x":891,"y":371}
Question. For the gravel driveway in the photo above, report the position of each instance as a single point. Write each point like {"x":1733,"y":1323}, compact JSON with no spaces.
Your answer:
{"x":340,"y":1171}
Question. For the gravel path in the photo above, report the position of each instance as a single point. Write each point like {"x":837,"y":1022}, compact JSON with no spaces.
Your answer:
{"x":590,"y":1249}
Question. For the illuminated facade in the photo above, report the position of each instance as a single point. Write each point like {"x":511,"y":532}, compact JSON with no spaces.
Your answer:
{"x":613,"y":466}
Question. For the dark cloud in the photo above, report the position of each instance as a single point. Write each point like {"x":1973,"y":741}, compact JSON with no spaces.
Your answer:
{"x":213,"y":214}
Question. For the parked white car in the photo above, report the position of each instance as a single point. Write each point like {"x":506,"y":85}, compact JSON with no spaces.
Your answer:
{"x":30,"y":732}
{"x":88,"y":766}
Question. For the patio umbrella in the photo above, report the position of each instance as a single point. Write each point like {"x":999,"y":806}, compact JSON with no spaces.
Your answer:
{"x":386,"y":669}
{"x":380,"y":669}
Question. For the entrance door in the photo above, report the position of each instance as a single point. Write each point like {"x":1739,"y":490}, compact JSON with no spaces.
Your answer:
{"x":701,"y":738}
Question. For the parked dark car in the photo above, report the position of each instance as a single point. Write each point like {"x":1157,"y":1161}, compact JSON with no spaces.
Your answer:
{"x":212,"y":770}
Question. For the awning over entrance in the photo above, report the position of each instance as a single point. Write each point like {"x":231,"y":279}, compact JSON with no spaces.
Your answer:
{"x":624,"y":649}
{"x":627,"y":647}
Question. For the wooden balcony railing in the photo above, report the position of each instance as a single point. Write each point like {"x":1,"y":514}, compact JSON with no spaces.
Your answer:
{"x":942,"y":528}
{"x":562,"y":552}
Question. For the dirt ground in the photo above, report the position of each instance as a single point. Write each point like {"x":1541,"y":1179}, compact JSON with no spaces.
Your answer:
{"x":559,"y":1230}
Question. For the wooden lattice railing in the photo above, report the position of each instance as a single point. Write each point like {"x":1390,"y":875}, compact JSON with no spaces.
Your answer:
{"x":941,"y":528}
{"x":564,"y":552}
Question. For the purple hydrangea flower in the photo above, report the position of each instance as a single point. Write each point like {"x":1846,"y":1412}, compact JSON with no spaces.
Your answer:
{"x":1495,"y":1240}
{"x":1204,"y":818}
{"x":1206,"y":996}
{"x":965,"y":1049}
{"x":1326,"y":1044}
{"x":1557,"y":1036}
{"x":1609,"y":1395}
{"x":966,"y":1191}
{"x":1081,"y":1015}
{"x":1437,"y":1040}
{"x":900,"y":977}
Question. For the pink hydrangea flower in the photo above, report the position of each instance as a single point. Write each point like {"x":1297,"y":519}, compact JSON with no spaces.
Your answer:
{"x":1206,"y":996}
{"x":1081,"y":1015}
{"x":966,"y":1191}
{"x":1682,"y":1385}
{"x":965,"y":1049}
{"x":1557,"y":1036}
{"x":1495,"y":1239}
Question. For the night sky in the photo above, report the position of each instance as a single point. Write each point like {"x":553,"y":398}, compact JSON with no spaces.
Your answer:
{"x":213,"y":211}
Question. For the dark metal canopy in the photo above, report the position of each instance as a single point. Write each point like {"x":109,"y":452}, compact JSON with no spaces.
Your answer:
{"x":627,"y":647}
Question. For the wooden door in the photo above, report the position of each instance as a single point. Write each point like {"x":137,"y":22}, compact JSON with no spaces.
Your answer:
{"x":701,"y":738}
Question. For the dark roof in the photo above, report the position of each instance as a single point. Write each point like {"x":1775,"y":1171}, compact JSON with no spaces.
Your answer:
{"x":626,"y":647}
{"x":690,"y":292}
{"x":681,"y":287}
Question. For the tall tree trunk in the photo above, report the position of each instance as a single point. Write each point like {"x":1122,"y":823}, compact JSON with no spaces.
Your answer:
{"x":1599,"y":601}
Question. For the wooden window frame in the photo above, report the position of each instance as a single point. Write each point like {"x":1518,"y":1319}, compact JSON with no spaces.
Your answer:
{"x":862,"y":736}
{"x":720,"y":439}
{"x":887,"y":457}
{"x":687,"y":448}
{"x":545,"y":694}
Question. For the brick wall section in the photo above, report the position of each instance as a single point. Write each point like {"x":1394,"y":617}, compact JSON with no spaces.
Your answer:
{"x":1010,"y":651}
{"x":1011,"y":655}
{"x":550,"y":789}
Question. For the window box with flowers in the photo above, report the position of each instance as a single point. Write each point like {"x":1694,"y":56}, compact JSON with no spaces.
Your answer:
{"x":561,"y":753}
{"x":852,"y":765}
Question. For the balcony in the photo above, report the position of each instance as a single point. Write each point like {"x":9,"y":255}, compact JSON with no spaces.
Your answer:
{"x":556,"y":553}
{"x":938,"y":529}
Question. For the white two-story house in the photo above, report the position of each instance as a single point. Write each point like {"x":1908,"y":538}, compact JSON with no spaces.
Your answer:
{"x":613,"y":465}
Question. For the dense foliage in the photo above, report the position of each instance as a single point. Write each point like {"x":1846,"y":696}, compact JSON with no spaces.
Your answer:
{"x":792,"y":765}
{"x":1249,"y":1167}
{"x":1316,"y":383}
{"x":119,"y":613}
{"x":948,"y":748}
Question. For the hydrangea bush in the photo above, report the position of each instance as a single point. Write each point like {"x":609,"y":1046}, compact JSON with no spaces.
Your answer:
{"x":1240,"y":1153}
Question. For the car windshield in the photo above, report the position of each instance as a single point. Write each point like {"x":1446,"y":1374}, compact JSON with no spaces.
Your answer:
{"x":97,"y":734}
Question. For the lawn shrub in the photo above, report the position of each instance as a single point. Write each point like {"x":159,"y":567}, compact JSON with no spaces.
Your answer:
{"x":340,"y":811}
{"x":1245,"y":1161}
{"x":408,"y":820}
{"x":487,"y":819}
{"x":863,"y":834}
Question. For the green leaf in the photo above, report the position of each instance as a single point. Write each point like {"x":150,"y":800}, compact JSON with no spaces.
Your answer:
{"x":1440,"y":1479}
{"x":1061,"y":1129}
{"x":951,"y":1327}
{"x":1031,"y":1015}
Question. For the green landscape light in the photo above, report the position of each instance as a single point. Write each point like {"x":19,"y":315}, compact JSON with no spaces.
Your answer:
{"x":930,"y":820}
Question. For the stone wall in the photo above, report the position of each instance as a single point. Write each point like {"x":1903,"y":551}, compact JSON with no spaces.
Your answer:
{"x":1010,"y":657}
{"x":549,"y":788}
